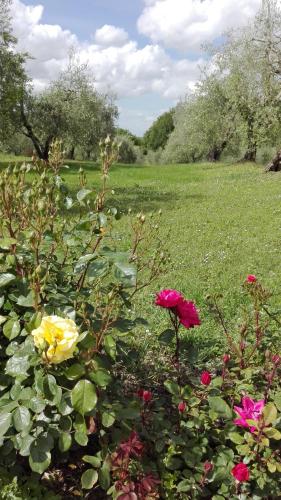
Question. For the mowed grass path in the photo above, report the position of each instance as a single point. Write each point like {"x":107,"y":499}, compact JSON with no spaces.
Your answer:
{"x":224,"y":223}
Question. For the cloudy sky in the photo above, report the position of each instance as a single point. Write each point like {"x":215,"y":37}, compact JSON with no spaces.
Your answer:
{"x":145,"y":51}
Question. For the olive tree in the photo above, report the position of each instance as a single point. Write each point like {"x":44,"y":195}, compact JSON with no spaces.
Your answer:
{"x":71,"y":109}
{"x":13,"y":79}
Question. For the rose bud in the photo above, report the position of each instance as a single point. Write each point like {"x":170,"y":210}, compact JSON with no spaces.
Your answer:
{"x":182,"y":407}
{"x":206,"y":378}
{"x":226,"y":358}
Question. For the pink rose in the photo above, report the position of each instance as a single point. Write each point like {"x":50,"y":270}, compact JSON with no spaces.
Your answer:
{"x":241,"y":472}
{"x":206,"y":378}
{"x":251,"y":410}
{"x":187,"y":314}
{"x":168,"y":298}
{"x":251,"y":278}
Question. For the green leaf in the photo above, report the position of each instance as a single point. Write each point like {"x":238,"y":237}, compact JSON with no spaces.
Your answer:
{"x":39,"y":460}
{"x":50,"y":387}
{"x":108,"y":419}
{"x":172,"y":387}
{"x":75,"y":371}
{"x":273,"y":433}
{"x":236,"y":438}
{"x":269,"y":414}
{"x":25,"y":445}
{"x":101,"y":377}
{"x":82,"y":263}
{"x":21,"y":418}
{"x":110,"y":346}
{"x":97,"y":269}
{"x":17,"y":366}
{"x":6,"y":279}
{"x":27,"y":301}
{"x":184,"y":486}
{"x":65,"y":441}
{"x":84,"y":396}
{"x":126,"y":274}
{"x":11,"y":329}
{"x":94,"y":461}
{"x":82,"y":194}
{"x":167,"y":336}
{"x":3,"y":319}
{"x":89,"y":478}
{"x":81,"y":438}
{"x":37,"y":405}
{"x":277,"y":400}
{"x":5,"y":243}
{"x":104,"y":476}
{"x":5,"y":422}
{"x":218,"y":405}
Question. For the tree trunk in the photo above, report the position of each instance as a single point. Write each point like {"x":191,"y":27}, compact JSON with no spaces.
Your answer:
{"x":42,"y":151}
{"x":216,"y":152}
{"x":71,"y":153}
{"x":275,"y":164}
{"x":251,"y":153}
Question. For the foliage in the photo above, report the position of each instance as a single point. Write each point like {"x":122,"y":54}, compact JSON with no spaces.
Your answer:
{"x":15,"y":488}
{"x":127,"y":149}
{"x":70,"y":109}
{"x":187,"y":434}
{"x":60,"y":259}
{"x":236,"y":105}
{"x":12,"y":76}
{"x":157,"y":135}
{"x":124,"y":132}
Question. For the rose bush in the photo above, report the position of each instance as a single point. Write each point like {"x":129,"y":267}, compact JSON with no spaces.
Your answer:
{"x":68,"y":414}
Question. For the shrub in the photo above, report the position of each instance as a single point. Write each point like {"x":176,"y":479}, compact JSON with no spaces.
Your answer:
{"x":67,"y":411}
{"x":66,"y":294}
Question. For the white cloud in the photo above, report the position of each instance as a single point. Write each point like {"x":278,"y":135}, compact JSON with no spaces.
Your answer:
{"x":117,"y":63}
{"x":110,"y":35}
{"x":186,"y":24}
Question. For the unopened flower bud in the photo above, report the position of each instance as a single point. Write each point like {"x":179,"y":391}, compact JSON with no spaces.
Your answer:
{"x":208,"y":467}
{"x":276,"y":359}
{"x":182,"y":407}
{"x":226,"y":358}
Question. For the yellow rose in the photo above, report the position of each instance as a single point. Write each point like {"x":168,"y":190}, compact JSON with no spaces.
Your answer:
{"x":57,"y":337}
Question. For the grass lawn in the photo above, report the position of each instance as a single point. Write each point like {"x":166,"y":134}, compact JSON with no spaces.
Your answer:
{"x":224,"y":223}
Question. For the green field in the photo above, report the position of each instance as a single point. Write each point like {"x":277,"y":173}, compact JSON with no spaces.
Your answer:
{"x":224,"y":223}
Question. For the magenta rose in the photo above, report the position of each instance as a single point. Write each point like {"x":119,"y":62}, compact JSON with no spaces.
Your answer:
{"x":241,"y":472}
{"x":187,"y":313}
{"x":168,"y":298}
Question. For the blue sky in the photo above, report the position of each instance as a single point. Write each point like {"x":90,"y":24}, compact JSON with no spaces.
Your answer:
{"x":146,"y":52}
